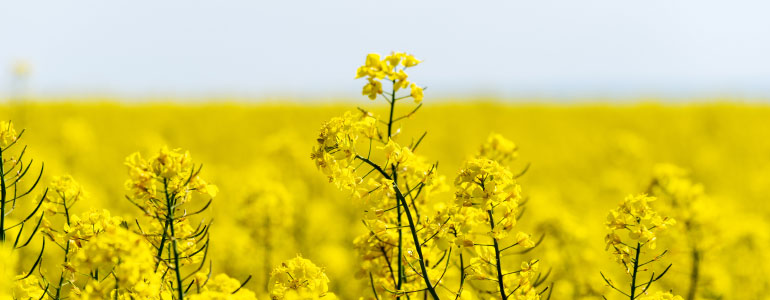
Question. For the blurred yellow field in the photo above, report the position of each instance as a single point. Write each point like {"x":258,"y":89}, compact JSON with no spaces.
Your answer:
{"x":581,"y":161}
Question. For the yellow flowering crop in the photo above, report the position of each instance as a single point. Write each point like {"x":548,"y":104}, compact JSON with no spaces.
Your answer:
{"x":424,"y":203}
{"x":413,"y":238}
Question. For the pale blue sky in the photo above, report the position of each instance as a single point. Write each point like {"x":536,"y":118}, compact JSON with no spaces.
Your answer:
{"x":311,"y":48}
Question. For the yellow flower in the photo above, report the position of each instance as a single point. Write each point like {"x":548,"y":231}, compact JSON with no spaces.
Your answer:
{"x":525,"y":240}
{"x":169,"y":172}
{"x":27,"y":288}
{"x":485,"y":183}
{"x":8,"y":134}
{"x":641,"y":223}
{"x":126,"y":255}
{"x":498,"y":148}
{"x":298,"y":277}
{"x":336,"y":148}
{"x":372,"y":89}
{"x":400,"y":80}
{"x":66,"y":188}
{"x":410,"y":61}
{"x":222,"y":287}
{"x":391,"y":67}
{"x":373,"y":61}
{"x":416,"y":93}
{"x":394,"y":58}
{"x":86,"y":226}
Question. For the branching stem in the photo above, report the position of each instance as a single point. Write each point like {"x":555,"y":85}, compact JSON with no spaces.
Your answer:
{"x":636,"y":270}
{"x":497,"y":258}
{"x":170,"y":206}
{"x":402,"y":201}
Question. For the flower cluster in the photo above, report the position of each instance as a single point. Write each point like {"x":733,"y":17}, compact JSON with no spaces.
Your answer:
{"x":161,"y":186}
{"x":83,"y":228}
{"x":484,"y":183}
{"x":222,"y":287}
{"x":28,"y":287}
{"x":392,"y":68}
{"x":336,"y":148}
{"x":683,"y":197}
{"x":499,"y":149}
{"x":63,"y":193}
{"x":639,"y":221}
{"x":170,"y":171}
{"x":486,"y":208}
{"x":128,"y":258}
{"x":299,"y":278}
{"x":8,"y":134}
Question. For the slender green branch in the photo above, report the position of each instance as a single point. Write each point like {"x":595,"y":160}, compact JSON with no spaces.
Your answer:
{"x":412,"y":228}
{"x":170,"y":217}
{"x":374,"y":290}
{"x":162,"y":242}
{"x":694,"y":273}
{"x":3,"y":195}
{"x":635,"y":271}
{"x":401,"y":271}
{"x":66,"y":249}
{"x":498,"y":264}
{"x":392,"y":108}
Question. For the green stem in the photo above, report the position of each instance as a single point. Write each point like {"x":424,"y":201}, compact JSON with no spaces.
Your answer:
{"x":497,"y":257}
{"x":400,"y":265}
{"x":3,"y":195}
{"x":694,"y":273}
{"x":116,"y":288}
{"x":417,"y":243}
{"x":162,"y":242}
{"x":66,"y":250}
{"x":462,"y":274}
{"x":170,"y":220}
{"x":392,"y":106}
{"x":636,"y":270}
{"x":402,"y":201}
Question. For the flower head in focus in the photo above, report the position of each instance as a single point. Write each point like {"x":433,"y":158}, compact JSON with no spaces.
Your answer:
{"x":299,"y":278}
{"x":391,"y":68}
{"x":8,"y":134}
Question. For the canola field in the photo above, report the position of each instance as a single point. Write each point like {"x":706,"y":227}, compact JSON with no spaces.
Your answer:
{"x":273,"y":204}
{"x":398,"y":198}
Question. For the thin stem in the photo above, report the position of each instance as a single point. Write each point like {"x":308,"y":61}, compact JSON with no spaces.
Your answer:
{"x":401,"y":271}
{"x":694,"y":273}
{"x":374,"y":290}
{"x":462,"y":275}
{"x":170,"y":219}
{"x":66,"y":250}
{"x":636,"y":269}
{"x":392,"y":106}
{"x":162,"y":242}
{"x":416,"y":239}
{"x":412,"y":229}
{"x":3,"y":195}
{"x":497,"y":258}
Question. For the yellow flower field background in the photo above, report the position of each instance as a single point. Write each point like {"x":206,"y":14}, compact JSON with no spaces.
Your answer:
{"x":581,"y":160}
